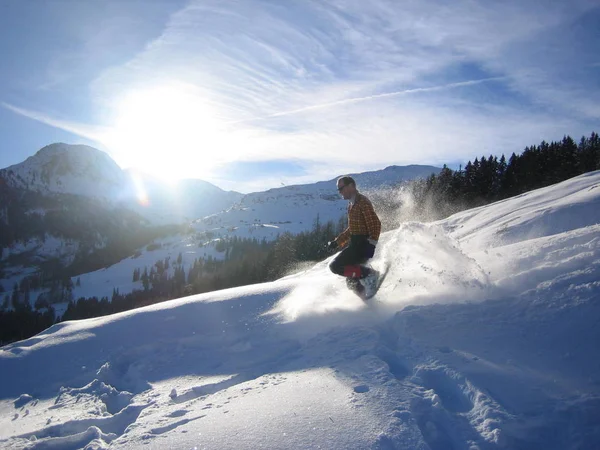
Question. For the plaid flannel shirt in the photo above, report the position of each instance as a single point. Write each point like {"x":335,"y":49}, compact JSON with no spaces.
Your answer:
{"x":362,"y":219}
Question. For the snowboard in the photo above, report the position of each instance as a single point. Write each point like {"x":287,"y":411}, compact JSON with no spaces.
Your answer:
{"x":363,"y":295}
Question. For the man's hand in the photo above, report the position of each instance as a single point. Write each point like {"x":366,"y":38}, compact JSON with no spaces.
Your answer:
{"x":370,"y":248}
{"x":332,"y":245}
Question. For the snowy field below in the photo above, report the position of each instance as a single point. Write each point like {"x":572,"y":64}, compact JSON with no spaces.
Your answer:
{"x":484,"y":335}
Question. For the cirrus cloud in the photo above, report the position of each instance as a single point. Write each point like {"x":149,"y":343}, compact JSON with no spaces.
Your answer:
{"x":351,"y":86}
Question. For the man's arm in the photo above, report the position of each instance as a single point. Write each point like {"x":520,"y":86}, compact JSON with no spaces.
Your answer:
{"x":371,"y":220}
{"x":343,"y":238}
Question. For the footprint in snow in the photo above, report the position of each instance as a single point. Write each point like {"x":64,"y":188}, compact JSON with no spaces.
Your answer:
{"x":448,"y":387}
{"x":361,"y":388}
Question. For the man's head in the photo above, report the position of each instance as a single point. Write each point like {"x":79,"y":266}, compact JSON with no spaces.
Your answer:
{"x":346,"y":187}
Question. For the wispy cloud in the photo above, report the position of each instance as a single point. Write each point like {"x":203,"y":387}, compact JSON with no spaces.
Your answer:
{"x":348,"y":101}
{"x":359,"y":85}
{"x":90,"y":132}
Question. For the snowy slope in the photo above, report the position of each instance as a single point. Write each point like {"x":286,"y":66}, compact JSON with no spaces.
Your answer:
{"x":483,"y":336}
{"x":101,"y":283}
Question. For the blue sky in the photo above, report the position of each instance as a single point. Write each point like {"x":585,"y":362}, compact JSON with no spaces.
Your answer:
{"x":250,"y":94}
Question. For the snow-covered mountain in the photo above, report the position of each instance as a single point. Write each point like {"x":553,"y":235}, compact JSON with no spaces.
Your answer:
{"x":295,"y":208}
{"x":179,"y":202}
{"x":68,"y":169}
{"x":484,"y":336}
{"x":82,"y":170}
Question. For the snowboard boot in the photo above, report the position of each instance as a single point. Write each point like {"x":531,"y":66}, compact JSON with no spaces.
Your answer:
{"x":370,"y":283}
{"x":355,"y":285}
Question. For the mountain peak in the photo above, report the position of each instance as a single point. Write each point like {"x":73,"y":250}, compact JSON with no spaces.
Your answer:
{"x":66,"y":168}
{"x":75,"y":152}
{"x":61,"y":147}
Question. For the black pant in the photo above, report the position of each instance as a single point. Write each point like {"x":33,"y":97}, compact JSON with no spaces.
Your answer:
{"x":350,"y":262}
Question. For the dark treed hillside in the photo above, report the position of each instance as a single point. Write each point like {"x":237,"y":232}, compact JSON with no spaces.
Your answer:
{"x":488,"y":179}
{"x":246,"y":261}
{"x":103,"y":234}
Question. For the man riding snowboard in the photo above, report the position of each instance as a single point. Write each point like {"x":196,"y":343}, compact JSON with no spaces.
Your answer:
{"x":361,"y":236}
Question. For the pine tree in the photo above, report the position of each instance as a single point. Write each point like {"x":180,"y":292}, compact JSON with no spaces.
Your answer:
{"x":470,"y":181}
{"x":282,"y":255}
{"x":588,"y":152}
{"x":145,"y":279}
{"x":15,"y":297}
{"x":500,"y":176}
{"x":567,"y":159}
{"x":594,"y":144}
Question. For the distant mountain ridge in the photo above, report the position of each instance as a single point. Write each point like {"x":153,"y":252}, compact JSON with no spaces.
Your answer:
{"x":294,"y":208}
{"x":365,"y":181}
{"x":61,"y":168}
{"x":83,"y":170}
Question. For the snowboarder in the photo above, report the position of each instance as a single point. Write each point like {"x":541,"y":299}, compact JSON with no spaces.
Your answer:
{"x":361,"y":236}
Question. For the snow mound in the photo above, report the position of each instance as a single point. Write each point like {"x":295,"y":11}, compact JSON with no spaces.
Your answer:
{"x":426,"y":266}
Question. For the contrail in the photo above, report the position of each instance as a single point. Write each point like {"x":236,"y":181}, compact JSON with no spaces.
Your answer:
{"x":372,"y":97}
{"x":85,"y":131}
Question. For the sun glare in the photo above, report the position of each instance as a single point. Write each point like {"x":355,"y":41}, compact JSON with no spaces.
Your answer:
{"x":169,"y":132}
{"x":140,"y":190}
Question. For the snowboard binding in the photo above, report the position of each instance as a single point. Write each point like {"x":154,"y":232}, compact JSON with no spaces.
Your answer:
{"x":365,"y":287}
{"x":368,"y":286}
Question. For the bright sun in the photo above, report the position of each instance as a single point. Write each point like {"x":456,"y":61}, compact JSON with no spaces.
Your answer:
{"x":167,"y":131}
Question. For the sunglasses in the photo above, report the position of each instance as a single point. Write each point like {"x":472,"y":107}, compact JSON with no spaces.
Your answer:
{"x":341,"y":188}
